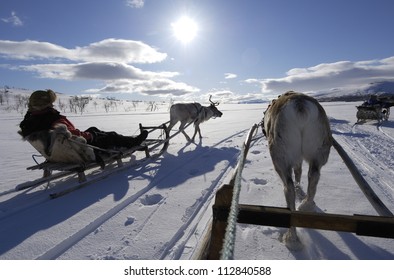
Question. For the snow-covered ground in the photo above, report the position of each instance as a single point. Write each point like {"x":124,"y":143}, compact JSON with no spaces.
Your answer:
{"x":161,"y":210}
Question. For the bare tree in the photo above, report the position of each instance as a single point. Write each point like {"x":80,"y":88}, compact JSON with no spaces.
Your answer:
{"x":107,"y":105}
{"x":134,"y":105}
{"x":78,"y":104}
{"x":95,"y":104}
{"x":21,"y":103}
{"x":4,"y":95}
{"x":152,"y":106}
{"x":62,"y":106}
{"x":172,"y":101}
{"x":72,"y":105}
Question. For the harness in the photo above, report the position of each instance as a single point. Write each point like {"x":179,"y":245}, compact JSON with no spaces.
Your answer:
{"x":262,"y":121}
{"x":199,"y":110}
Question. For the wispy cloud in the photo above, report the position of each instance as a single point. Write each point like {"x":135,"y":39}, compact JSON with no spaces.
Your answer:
{"x":13,"y":19}
{"x":326,"y":76}
{"x":135,"y":3}
{"x":229,"y":76}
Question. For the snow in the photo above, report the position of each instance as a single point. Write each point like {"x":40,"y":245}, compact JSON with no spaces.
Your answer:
{"x":162,"y":209}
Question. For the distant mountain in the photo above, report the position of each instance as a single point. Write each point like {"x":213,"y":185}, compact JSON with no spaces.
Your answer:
{"x":381,"y":88}
{"x":384,"y":88}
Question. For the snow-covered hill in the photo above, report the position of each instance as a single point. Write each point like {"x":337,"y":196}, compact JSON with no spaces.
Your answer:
{"x":161,"y":210}
{"x":384,"y":88}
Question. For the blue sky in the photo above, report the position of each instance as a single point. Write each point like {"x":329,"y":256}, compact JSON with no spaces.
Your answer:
{"x":242,"y":48}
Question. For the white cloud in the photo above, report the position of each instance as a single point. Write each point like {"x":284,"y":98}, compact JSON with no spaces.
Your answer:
{"x":157,"y":87}
{"x":342,"y":74}
{"x":106,"y":71}
{"x":118,"y":77}
{"x":28,"y":49}
{"x":108,"y":61}
{"x":228,"y":96}
{"x":50,"y":71}
{"x":230,"y":76}
{"x":13,"y":19}
{"x":135,"y":3}
{"x":114,"y":50}
{"x":121,"y":51}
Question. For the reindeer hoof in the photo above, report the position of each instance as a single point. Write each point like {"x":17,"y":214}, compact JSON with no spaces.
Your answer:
{"x":291,"y":241}
{"x":307,"y":206}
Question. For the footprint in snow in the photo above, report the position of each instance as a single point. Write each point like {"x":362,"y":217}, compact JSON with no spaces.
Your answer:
{"x":129,"y":221}
{"x":151,"y":199}
{"x":258,"y":181}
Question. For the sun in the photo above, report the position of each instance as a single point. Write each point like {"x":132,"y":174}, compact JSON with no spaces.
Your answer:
{"x":185,"y":29}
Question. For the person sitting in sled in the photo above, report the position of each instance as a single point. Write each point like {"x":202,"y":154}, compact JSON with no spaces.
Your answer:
{"x":373,"y":100}
{"x":42,"y":116}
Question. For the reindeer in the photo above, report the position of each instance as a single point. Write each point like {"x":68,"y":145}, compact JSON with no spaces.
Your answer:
{"x":192,"y":112}
{"x":297,"y":129}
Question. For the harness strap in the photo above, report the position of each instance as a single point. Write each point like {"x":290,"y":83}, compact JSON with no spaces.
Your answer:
{"x":199,"y":110}
{"x":93,"y":147}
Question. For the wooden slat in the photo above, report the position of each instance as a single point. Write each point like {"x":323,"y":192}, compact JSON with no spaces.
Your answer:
{"x":219,"y":223}
{"x":362,"y":183}
{"x":282,"y":217}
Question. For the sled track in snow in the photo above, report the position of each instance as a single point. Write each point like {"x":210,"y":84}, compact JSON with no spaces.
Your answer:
{"x":41,"y":194}
{"x":76,"y":237}
{"x":383,"y":132}
{"x":378,"y":149}
{"x":376,"y":155}
{"x":174,"y":249}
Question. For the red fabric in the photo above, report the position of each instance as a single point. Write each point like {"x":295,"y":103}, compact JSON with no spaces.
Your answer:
{"x":70,"y":126}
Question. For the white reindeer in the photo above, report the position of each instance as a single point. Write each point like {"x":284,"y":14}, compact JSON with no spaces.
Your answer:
{"x":192,"y":112}
{"x":297,"y":128}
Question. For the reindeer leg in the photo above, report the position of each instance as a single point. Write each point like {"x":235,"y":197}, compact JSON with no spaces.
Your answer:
{"x":289,"y":190}
{"x":300,"y":194}
{"x":170,"y":127}
{"x":195,"y":132}
{"x":199,"y":132}
{"x":290,"y":238}
{"x":196,"y":129}
{"x":297,"y":174}
{"x":181,"y":127}
{"x":308,"y":203}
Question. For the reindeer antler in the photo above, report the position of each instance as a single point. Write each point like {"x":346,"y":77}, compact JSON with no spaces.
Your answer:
{"x":213,"y":103}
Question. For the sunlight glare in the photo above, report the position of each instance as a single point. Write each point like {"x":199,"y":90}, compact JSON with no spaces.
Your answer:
{"x":185,"y":29}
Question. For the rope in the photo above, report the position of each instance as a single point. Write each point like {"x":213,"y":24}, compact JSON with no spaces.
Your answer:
{"x":93,"y":147}
{"x":34,"y":158}
{"x":229,"y":239}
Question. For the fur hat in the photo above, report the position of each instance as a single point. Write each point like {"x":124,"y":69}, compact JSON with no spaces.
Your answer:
{"x":41,"y":99}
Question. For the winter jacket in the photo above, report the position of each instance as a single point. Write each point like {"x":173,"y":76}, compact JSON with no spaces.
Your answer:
{"x":47,"y":119}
